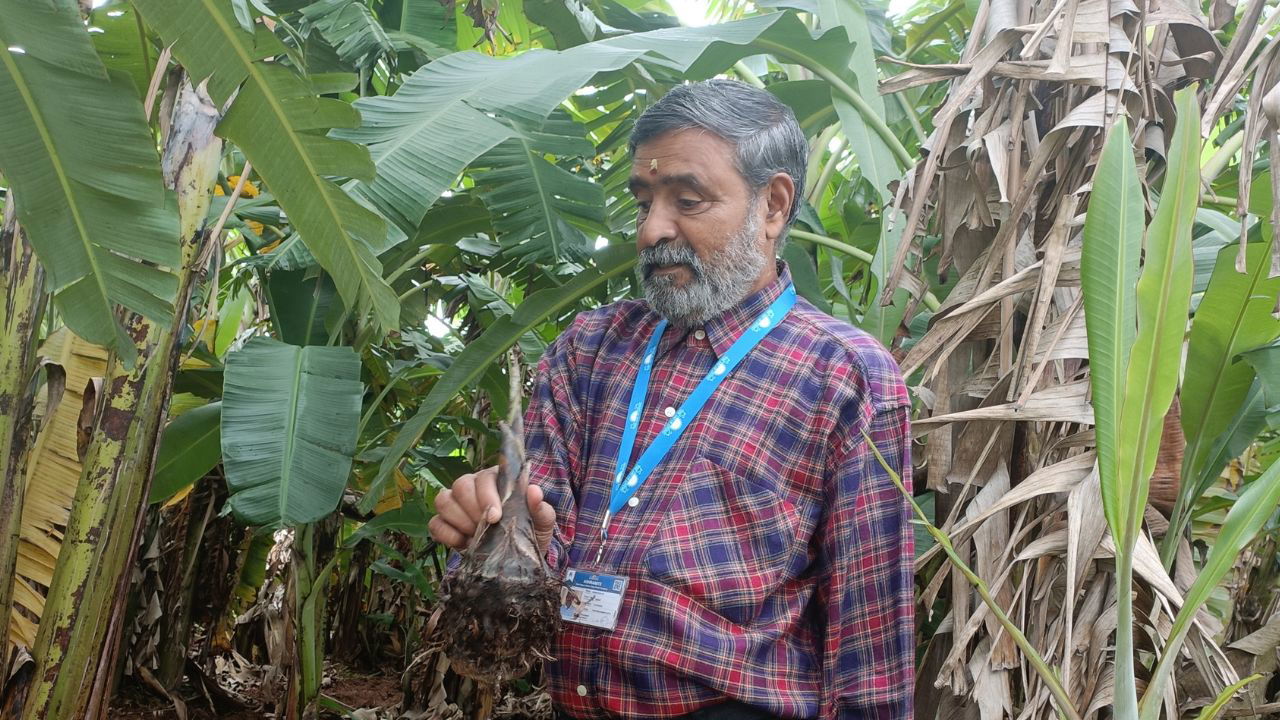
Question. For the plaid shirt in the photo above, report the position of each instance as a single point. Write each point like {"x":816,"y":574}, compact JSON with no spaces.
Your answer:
{"x":770,"y":556}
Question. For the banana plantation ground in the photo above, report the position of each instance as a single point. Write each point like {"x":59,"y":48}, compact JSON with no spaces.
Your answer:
{"x":264,"y":261}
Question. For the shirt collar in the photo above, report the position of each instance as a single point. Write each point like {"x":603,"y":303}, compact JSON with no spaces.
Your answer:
{"x":724,"y":329}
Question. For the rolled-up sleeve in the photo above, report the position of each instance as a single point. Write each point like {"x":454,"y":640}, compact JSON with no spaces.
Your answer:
{"x":867,"y":582}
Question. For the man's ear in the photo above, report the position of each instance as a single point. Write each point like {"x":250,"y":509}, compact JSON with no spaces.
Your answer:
{"x":779,"y":194}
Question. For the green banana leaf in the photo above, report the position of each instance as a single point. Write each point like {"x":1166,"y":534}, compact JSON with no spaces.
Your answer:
{"x":875,"y":160}
{"x":1113,"y":230}
{"x":804,"y":274}
{"x":882,"y":321}
{"x":78,"y":155}
{"x":539,"y":209}
{"x":121,"y":47}
{"x":230,"y":316}
{"x":810,"y":100}
{"x":462,"y":216}
{"x":570,"y":22}
{"x":299,"y":305}
{"x":410,"y":518}
{"x":1216,"y":230}
{"x":1266,"y":362}
{"x":279,"y":123}
{"x":1164,"y":298}
{"x":838,"y":57}
{"x":1234,"y":316}
{"x":1249,"y":420}
{"x":189,"y":448}
{"x":1256,"y":505}
{"x":350,"y":28}
{"x":431,"y":21}
{"x":289,"y":419}
{"x":435,"y":125}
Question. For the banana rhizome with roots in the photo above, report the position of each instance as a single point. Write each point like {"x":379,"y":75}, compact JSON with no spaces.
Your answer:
{"x":500,"y":609}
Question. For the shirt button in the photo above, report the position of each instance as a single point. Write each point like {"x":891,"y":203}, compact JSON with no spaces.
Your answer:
{"x":634,"y":501}
{"x":699,"y":334}
{"x":669,"y":412}
{"x":582,"y":691}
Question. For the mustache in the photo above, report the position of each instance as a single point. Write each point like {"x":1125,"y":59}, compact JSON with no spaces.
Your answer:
{"x":658,"y":256}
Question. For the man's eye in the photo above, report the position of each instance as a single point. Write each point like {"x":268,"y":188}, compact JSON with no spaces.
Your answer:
{"x":689,"y":203}
{"x":643,"y":205}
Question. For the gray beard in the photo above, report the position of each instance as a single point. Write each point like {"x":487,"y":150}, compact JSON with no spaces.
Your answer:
{"x":721,"y":281}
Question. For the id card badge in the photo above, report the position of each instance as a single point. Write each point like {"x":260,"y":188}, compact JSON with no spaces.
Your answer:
{"x":592,"y":599}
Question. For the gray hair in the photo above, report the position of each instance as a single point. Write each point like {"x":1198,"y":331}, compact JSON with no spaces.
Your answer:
{"x":763,"y":130}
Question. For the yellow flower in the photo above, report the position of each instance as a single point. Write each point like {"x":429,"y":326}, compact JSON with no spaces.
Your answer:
{"x":249,"y":191}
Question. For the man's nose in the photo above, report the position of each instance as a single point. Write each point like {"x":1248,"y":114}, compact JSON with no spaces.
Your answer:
{"x":657,"y":227}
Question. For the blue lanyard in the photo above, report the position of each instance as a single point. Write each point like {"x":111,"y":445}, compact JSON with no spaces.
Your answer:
{"x":626,"y":484}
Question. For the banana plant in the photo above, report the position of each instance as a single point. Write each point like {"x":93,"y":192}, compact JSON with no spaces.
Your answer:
{"x":1136,"y":332}
{"x":1135,"y":341}
{"x":75,"y":647}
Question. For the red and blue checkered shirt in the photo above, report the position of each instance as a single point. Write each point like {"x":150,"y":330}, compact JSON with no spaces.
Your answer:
{"x":770,"y":557}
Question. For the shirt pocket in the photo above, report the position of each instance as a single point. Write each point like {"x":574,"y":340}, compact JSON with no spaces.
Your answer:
{"x":725,"y":541}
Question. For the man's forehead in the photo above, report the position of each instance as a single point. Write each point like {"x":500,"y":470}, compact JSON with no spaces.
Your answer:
{"x":688,"y":143}
{"x":666,"y":168}
{"x":691,"y":156}
{"x":653,"y":172}
{"x":649,"y":157}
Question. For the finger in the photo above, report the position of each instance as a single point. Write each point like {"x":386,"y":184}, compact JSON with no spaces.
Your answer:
{"x":543,"y":513}
{"x":448,"y":509}
{"x":534,"y":497}
{"x":445,"y":534}
{"x":486,"y":490}
{"x":544,"y":517}
{"x":463,"y":492}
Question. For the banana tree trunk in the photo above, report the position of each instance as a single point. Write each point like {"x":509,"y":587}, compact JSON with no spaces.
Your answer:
{"x":22,"y":286}
{"x":80,"y":630}
{"x":179,"y":586}
{"x":309,"y":584}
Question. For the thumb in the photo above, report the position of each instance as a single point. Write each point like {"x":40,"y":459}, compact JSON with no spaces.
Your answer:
{"x":543,"y":516}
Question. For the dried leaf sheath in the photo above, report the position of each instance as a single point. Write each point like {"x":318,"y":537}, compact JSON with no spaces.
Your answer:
{"x":501,"y":607}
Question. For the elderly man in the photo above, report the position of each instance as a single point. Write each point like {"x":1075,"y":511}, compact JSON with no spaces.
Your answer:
{"x":701,"y":475}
